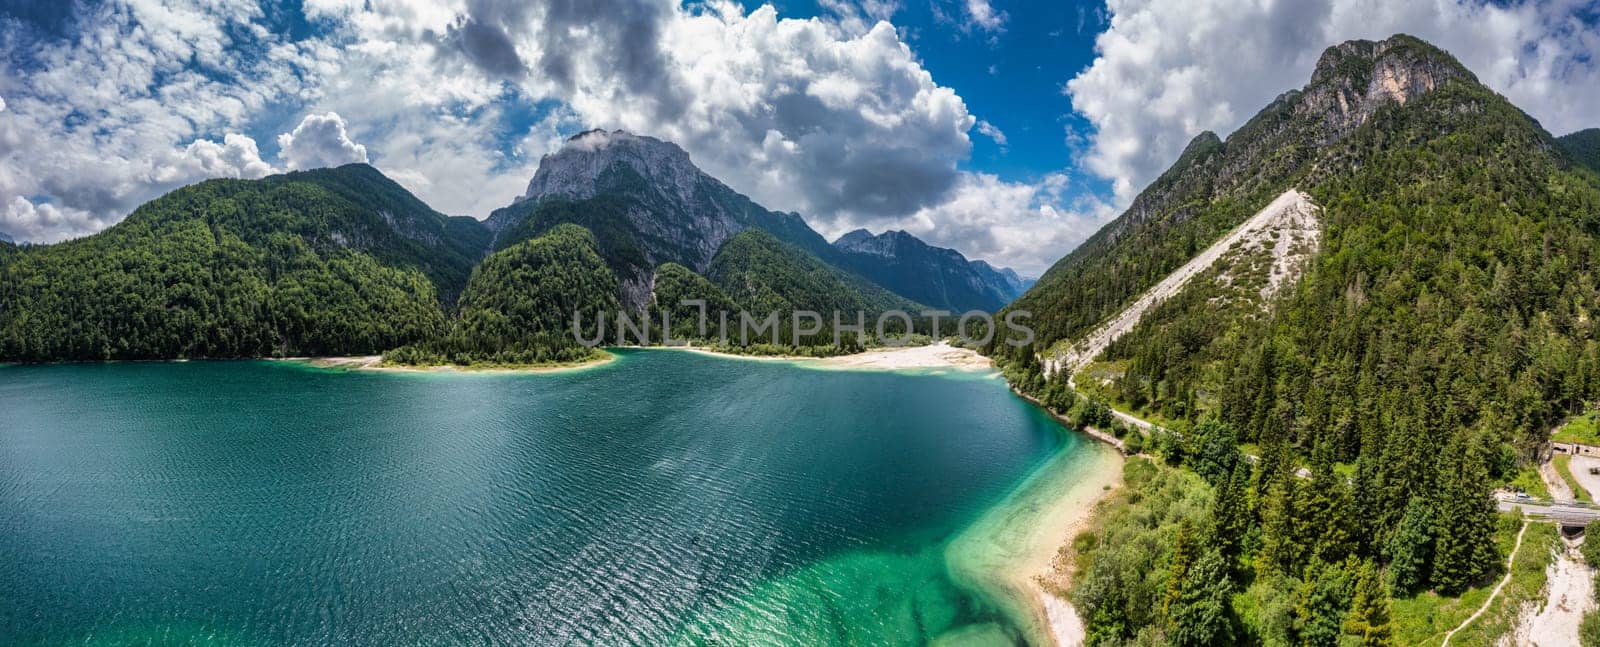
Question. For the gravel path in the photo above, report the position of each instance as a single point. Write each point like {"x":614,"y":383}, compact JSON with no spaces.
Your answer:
{"x":1496,"y":592}
{"x":1553,"y":482}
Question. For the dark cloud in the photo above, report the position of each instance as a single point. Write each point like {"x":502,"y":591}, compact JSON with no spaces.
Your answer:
{"x":624,"y":35}
{"x":878,"y":184}
{"x":488,"y":47}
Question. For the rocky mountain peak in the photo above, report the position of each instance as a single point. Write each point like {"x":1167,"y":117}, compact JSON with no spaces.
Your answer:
{"x":887,"y":243}
{"x":1355,"y":78}
{"x":583,"y":166}
{"x":853,"y":239}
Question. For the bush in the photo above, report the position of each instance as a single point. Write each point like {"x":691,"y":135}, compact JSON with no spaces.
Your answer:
{"x":1589,"y":631}
{"x":1134,"y":443}
{"x":1591,"y":543}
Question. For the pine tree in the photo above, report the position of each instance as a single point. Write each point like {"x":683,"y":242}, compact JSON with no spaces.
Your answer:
{"x":1320,"y":605}
{"x":1203,"y":616}
{"x":1184,"y":546}
{"x":1410,"y":548}
{"x":1369,"y":618}
{"x":1324,"y":510}
{"x":1216,"y":451}
{"x":1464,"y":550}
{"x":1280,"y":553}
{"x":1231,"y":513}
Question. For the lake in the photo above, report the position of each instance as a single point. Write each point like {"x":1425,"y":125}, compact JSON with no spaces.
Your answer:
{"x":662,"y":498}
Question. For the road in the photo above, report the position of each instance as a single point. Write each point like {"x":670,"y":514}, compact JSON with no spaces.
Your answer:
{"x":1580,"y":472}
{"x":1570,"y":514}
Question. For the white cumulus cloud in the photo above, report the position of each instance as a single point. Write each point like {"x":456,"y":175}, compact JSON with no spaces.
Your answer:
{"x":45,"y":222}
{"x":320,"y":141}
{"x":236,"y":157}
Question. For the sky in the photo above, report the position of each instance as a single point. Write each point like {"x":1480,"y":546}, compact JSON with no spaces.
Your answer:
{"x":1005,"y":129}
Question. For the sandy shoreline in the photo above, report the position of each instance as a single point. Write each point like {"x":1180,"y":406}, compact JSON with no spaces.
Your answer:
{"x":939,"y":355}
{"x":1049,"y":570}
{"x":375,"y":363}
{"x":1013,"y":551}
{"x":932,"y":356}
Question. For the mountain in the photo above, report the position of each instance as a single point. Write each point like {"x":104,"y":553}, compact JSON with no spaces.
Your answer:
{"x":1015,"y":284}
{"x":444,"y":247}
{"x":647,"y":203}
{"x":1413,"y":355}
{"x":936,"y":276}
{"x":1214,"y":186}
{"x":1584,"y":146}
{"x":330,"y":261}
{"x":519,"y":304}
{"x":4,"y":238}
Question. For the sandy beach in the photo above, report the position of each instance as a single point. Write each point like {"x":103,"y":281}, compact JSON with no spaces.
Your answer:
{"x":1049,"y":568}
{"x":1013,"y":552}
{"x":938,"y":355}
{"x":932,"y":356}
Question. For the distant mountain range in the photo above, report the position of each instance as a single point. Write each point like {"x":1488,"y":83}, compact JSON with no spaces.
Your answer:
{"x":346,"y":261}
{"x":933,"y":275}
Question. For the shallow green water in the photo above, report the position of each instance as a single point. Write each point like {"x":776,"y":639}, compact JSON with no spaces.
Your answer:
{"x":664,"y":497}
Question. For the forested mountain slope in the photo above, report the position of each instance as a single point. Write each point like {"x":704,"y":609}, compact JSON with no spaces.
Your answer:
{"x":1216,"y":185}
{"x":1443,"y":325}
{"x":332,"y":261}
{"x":344,"y":261}
{"x":519,"y":306}
{"x":1584,"y":146}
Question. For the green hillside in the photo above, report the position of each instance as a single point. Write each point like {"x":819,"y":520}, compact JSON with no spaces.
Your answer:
{"x":518,"y":307}
{"x":675,"y":284}
{"x":1584,"y":146}
{"x":333,"y":261}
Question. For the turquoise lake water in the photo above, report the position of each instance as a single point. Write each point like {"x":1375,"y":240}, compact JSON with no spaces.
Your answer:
{"x":663,"y":498}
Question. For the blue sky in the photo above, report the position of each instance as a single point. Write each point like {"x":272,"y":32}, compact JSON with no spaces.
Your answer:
{"x":1011,"y":79}
{"x":883,"y":114}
